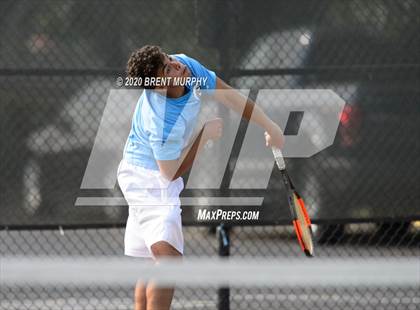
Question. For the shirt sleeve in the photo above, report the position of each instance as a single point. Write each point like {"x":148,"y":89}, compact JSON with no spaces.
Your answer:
{"x":198,"y":70}
{"x":166,"y":142}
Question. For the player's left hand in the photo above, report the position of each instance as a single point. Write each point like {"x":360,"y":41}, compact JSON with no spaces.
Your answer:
{"x":274,"y":137}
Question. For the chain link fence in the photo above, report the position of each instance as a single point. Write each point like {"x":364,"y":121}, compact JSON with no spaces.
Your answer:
{"x":60,"y":61}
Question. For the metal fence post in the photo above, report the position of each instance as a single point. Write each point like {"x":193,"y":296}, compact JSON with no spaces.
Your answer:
{"x":223,"y":293}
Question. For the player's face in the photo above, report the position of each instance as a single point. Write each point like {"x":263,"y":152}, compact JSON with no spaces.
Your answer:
{"x":173,"y":68}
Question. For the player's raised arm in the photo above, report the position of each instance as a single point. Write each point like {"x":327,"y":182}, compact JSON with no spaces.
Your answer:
{"x":172,"y":169}
{"x":234,"y":100}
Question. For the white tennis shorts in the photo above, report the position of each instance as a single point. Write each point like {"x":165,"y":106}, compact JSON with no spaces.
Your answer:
{"x":154,"y":209}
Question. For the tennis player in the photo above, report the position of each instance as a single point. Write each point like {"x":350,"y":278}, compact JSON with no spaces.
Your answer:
{"x":161,"y":147}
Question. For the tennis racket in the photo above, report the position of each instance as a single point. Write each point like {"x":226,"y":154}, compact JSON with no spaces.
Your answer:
{"x":301,"y":220}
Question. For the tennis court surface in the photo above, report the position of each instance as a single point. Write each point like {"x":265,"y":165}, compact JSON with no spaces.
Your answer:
{"x":62,"y":277}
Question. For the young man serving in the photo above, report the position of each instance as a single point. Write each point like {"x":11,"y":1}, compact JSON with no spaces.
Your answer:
{"x":161,"y":147}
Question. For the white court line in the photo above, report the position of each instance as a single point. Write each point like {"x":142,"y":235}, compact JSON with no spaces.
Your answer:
{"x":185,"y":201}
{"x":210,"y":272}
{"x":98,"y":303}
{"x":182,"y":303}
{"x":343,"y":296}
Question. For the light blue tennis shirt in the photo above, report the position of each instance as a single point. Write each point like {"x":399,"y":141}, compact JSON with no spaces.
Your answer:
{"x":161,"y":126}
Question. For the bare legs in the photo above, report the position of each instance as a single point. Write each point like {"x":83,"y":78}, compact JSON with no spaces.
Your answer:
{"x":150,"y":297}
{"x":140,"y":296}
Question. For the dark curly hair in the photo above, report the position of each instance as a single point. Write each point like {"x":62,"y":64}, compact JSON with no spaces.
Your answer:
{"x":145,"y":62}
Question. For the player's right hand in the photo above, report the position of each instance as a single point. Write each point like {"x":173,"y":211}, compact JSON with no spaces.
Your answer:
{"x":274,"y":137}
{"x":213,"y":129}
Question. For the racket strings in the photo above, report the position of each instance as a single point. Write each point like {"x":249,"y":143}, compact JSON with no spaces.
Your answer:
{"x":303,"y":226}
{"x":298,"y":231}
{"x":305,"y":213}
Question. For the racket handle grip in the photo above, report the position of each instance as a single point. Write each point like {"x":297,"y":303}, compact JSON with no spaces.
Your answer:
{"x":278,"y":156}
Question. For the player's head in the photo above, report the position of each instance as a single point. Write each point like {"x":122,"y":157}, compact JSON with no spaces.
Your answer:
{"x":151,"y":61}
{"x":145,"y":63}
